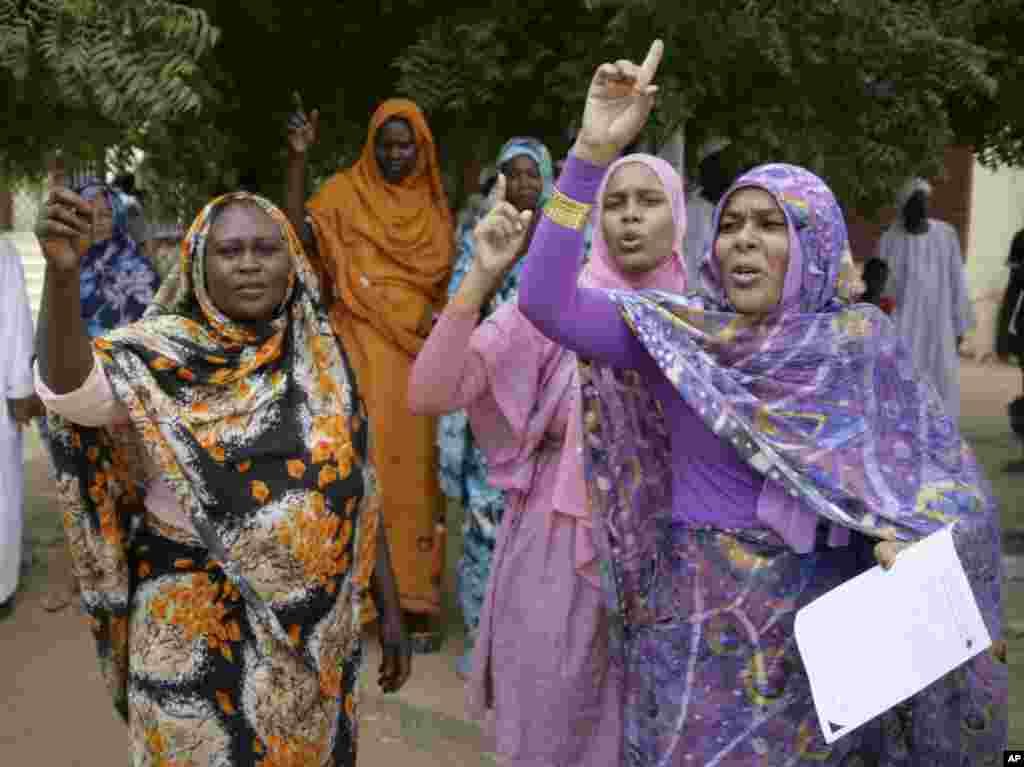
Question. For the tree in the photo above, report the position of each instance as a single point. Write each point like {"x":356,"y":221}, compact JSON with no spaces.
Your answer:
{"x":82,"y":74}
{"x":336,"y":55}
{"x":859,"y":90}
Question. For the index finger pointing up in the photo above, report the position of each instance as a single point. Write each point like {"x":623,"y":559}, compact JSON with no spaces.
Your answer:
{"x":650,"y":66}
{"x":499,"y":190}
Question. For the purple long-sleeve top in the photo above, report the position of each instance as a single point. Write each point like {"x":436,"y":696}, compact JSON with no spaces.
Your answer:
{"x":710,"y":482}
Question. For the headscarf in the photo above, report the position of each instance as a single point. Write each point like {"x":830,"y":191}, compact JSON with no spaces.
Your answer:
{"x":117,"y":281}
{"x":601,"y":270}
{"x":255,"y":427}
{"x":387,"y":247}
{"x":822,"y":399}
{"x":916,"y":184}
{"x":512,"y":423}
{"x":454,"y":435}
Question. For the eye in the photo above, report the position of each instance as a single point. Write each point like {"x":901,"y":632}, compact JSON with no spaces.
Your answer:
{"x":728,"y":225}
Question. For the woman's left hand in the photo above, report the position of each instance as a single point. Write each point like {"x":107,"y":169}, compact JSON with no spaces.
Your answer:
{"x":888,"y":549}
{"x":395,"y":652}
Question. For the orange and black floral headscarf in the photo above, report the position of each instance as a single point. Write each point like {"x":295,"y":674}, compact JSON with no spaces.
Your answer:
{"x":259,"y":431}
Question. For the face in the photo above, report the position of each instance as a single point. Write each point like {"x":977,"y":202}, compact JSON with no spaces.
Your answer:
{"x":104,"y":218}
{"x":752,"y":249}
{"x":247,"y":264}
{"x":396,"y":150}
{"x":523,"y":182}
{"x":637,"y":219}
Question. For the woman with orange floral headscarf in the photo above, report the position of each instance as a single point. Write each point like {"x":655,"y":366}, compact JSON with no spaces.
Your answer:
{"x":382,"y":232}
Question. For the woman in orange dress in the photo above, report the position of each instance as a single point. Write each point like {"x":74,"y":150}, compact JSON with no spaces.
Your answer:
{"x":382,"y":232}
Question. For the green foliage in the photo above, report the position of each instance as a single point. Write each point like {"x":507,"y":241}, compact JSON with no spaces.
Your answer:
{"x":862,"y":91}
{"x":82,"y":73}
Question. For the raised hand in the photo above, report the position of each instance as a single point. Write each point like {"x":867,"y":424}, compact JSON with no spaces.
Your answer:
{"x":500,"y":235}
{"x":302,"y":129}
{"x":66,"y":223}
{"x":619,"y":102}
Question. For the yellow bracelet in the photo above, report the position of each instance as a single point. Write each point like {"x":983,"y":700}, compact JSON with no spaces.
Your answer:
{"x":566,"y":211}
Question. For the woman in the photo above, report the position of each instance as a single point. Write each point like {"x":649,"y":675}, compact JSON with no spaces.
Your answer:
{"x":383,"y":232}
{"x":741,"y":445}
{"x":526,"y":166}
{"x":541,"y":664}
{"x":223,"y":553}
{"x":118,"y":283}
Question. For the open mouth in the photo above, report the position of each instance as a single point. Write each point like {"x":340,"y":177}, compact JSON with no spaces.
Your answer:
{"x":631,"y":243}
{"x":745,"y":276}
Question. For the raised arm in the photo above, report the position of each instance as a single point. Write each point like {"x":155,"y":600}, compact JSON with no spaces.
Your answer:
{"x":302,"y":133}
{"x":619,"y":101}
{"x":584,"y":320}
{"x":448,"y":375}
{"x":62,"y":345}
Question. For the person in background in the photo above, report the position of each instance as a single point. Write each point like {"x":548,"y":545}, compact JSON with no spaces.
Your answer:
{"x":1010,"y":337}
{"x":526,"y":165}
{"x":162,"y":246}
{"x":714,"y":174}
{"x":19,"y":406}
{"x":133,"y":200}
{"x":875,"y":274}
{"x":381,"y":233}
{"x":117,"y":283}
{"x":928,"y":288}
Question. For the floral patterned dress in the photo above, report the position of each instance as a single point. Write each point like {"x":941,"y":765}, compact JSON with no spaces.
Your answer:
{"x":232,"y":639}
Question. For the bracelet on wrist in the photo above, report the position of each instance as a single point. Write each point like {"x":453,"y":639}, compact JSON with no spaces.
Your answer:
{"x":567,"y":212}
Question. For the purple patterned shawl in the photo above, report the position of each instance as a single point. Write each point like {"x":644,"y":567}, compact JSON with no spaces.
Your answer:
{"x":821,"y":398}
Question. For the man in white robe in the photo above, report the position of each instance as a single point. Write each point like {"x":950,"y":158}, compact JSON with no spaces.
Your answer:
{"x":15,"y":413}
{"x":928,"y":287}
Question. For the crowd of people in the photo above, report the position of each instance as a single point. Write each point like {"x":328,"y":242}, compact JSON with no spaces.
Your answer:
{"x":672,"y":419}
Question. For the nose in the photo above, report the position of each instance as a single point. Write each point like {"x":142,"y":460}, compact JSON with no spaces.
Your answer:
{"x":746,"y":236}
{"x":631,"y":210}
{"x":249,"y":262}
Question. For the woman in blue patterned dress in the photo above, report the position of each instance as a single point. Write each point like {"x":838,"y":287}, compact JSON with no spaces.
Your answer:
{"x":526,"y":164}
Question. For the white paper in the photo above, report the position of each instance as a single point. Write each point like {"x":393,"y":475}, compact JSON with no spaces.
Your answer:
{"x":883,"y":636}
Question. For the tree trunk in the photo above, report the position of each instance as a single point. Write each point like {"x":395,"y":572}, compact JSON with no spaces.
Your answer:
{"x":6,"y":208}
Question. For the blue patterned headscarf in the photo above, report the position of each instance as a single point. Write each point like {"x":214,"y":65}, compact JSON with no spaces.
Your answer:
{"x":117,"y":280}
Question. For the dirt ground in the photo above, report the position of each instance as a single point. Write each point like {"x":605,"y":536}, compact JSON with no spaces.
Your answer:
{"x":56,"y":712}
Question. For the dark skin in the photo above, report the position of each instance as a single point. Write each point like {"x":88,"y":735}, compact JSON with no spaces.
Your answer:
{"x":394,"y":147}
{"x":247,"y":273}
{"x":524,"y":182}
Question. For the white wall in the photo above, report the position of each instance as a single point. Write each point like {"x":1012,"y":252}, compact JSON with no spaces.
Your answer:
{"x":997,"y":213}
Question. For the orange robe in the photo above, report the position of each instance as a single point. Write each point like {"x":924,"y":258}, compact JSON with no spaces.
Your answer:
{"x":388,"y":249}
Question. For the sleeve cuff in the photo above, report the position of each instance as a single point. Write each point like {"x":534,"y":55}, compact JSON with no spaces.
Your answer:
{"x":580,"y":179}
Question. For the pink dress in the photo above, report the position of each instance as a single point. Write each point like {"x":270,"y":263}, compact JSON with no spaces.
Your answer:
{"x":542,"y":675}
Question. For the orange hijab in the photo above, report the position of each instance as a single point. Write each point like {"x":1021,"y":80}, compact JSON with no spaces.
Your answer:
{"x":388,"y":247}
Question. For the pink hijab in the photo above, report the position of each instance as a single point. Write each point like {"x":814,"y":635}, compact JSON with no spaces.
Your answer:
{"x":511,"y":424}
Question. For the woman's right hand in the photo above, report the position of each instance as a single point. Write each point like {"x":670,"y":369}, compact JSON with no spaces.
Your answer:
{"x":500,"y":235}
{"x":619,"y":101}
{"x":65,"y":225}
{"x":302,"y":129}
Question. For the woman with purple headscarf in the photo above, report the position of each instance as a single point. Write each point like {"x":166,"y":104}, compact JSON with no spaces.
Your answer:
{"x":744,"y":448}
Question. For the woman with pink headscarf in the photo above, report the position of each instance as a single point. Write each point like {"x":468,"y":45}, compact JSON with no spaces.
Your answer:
{"x":541,"y":666}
